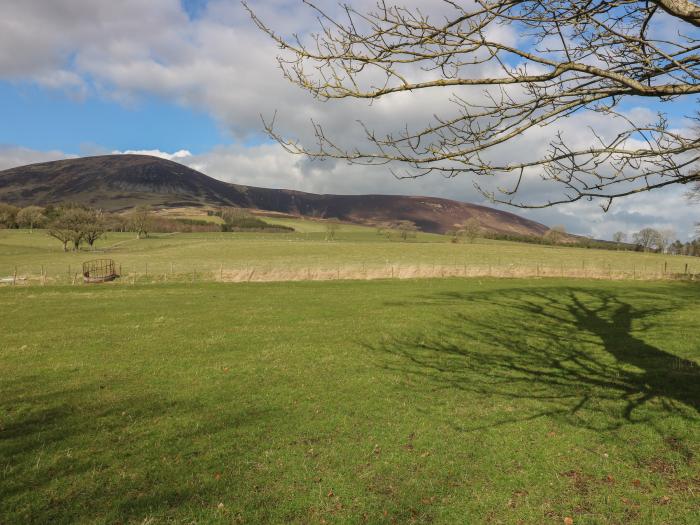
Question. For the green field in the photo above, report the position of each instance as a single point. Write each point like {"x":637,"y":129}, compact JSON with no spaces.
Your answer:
{"x":418,"y":401}
{"x":357,"y":252}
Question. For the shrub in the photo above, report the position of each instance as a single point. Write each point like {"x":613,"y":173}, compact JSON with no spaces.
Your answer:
{"x":8,"y":215}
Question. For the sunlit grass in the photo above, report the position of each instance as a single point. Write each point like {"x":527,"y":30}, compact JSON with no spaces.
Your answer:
{"x":354,"y":248}
{"x":429,"y":401}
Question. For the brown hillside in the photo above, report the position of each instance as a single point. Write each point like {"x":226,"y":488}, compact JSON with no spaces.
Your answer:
{"x":117,"y":182}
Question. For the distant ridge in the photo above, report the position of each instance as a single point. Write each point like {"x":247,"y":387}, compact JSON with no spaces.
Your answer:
{"x":119,"y":182}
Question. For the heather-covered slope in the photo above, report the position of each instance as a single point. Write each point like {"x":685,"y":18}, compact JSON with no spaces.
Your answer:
{"x":117,"y":182}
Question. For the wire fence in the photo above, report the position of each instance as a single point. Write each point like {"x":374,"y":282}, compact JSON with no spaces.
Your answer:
{"x":174,"y":272}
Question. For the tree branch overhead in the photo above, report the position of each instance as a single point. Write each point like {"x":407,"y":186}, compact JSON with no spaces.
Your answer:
{"x":535,"y":63}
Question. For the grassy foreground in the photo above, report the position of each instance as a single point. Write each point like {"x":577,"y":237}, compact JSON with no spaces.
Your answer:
{"x":429,"y":401}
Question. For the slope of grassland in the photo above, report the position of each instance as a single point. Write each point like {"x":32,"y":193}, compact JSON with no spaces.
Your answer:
{"x":425,"y":401}
{"x":356,"y":252}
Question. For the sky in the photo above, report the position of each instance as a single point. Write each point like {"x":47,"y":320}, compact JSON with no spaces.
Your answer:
{"x":189,"y":80}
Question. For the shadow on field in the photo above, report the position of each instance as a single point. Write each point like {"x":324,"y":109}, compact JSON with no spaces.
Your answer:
{"x":92,"y":454}
{"x":571,"y":353}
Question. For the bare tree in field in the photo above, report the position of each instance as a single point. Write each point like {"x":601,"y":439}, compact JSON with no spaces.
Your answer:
{"x":570,"y":57}
{"x":406,"y":229}
{"x":648,"y":239}
{"x":471,"y":229}
{"x":58,"y":230}
{"x":618,"y":238}
{"x":95,"y":228}
{"x":70,"y":225}
{"x":140,"y":221}
{"x":30,"y":217}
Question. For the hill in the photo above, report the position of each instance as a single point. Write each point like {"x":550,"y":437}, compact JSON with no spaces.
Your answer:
{"x":119,"y":182}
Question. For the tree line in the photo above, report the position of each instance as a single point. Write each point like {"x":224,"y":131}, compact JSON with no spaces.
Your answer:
{"x":239,"y":219}
{"x":76,"y":225}
{"x":645,"y":240}
{"x":660,"y":241}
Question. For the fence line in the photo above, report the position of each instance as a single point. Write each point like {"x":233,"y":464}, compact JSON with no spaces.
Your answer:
{"x":253,"y":273}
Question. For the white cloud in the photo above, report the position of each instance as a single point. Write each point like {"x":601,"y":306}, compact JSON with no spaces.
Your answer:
{"x":222,"y":64}
{"x":179,"y":156}
{"x":270,"y":166}
{"x":12,"y":156}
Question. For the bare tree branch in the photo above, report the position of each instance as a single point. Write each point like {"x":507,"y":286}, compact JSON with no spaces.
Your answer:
{"x":588,"y":56}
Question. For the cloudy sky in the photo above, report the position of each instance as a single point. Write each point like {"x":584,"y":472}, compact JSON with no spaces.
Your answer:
{"x":189,"y":80}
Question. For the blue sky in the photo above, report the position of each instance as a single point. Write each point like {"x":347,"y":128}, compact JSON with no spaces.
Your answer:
{"x":46,"y":119}
{"x":194,"y":8}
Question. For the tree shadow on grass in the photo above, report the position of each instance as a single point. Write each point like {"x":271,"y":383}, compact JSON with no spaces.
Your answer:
{"x":571,"y":353}
{"x":83,"y":453}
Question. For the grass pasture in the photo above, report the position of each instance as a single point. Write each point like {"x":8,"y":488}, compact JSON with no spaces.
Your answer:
{"x":419,"y":401}
{"x":357,"y":252}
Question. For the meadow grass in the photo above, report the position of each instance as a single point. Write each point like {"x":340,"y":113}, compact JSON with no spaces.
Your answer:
{"x":356,"y":252}
{"x":422,"y":401}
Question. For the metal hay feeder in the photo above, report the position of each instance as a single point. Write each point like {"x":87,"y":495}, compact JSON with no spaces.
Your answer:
{"x":99,"y":271}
